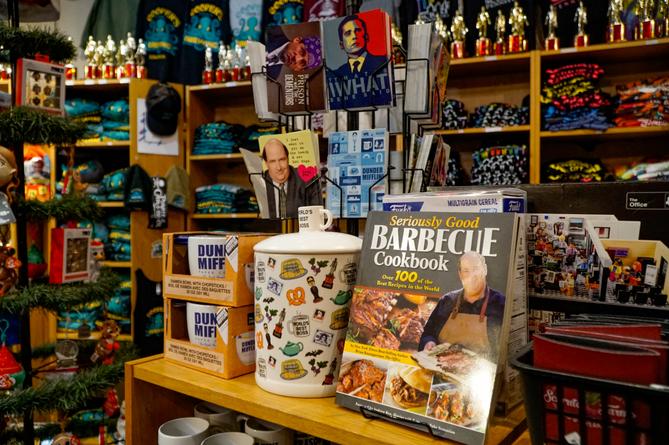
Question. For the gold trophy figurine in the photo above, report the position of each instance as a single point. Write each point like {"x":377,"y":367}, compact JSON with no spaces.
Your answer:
{"x":483,"y":43}
{"x":581,"y":19}
{"x":99,"y":59}
{"x":458,"y":33}
{"x":120,"y":59}
{"x":109,"y":54}
{"x":129,"y":62}
{"x":552,"y":41}
{"x":662,"y":19}
{"x":70,"y":69}
{"x":500,"y":29}
{"x":616,"y":31}
{"x":89,"y":52}
{"x":220,"y":74}
{"x":646,"y":27}
{"x":140,"y":60}
{"x":518,"y":22}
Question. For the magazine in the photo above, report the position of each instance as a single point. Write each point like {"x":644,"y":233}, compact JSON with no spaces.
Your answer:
{"x":294,"y":66}
{"x":357,"y":164}
{"x":429,"y":320}
{"x":357,"y":53}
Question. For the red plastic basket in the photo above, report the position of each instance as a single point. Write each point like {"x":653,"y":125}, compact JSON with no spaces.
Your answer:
{"x":568,"y":409}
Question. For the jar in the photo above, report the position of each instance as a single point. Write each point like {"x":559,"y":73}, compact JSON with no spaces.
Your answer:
{"x":303,"y":288}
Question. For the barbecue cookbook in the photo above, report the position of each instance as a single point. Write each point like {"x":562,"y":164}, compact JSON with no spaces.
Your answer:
{"x":429,"y":320}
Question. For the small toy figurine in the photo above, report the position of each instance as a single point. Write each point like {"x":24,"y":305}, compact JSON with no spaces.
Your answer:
{"x":208,"y":72}
{"x":119,"y":435}
{"x":9,"y":179}
{"x":616,"y":29}
{"x":220,"y":72}
{"x":98,"y":255}
{"x":89,"y":52}
{"x":109,"y":54}
{"x":107,"y":345}
{"x":458,"y":33}
{"x":646,"y":27}
{"x":552,"y":41}
{"x":662,"y":19}
{"x":121,"y":55}
{"x":483,"y":42}
{"x":9,"y":266}
{"x":581,"y":19}
{"x":99,"y":59}
{"x":500,"y":29}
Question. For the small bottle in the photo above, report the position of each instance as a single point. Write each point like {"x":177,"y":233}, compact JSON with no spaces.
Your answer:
{"x":278,"y":328}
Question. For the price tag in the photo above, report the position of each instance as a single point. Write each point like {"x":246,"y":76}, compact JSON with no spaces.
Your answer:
{"x":102,"y":81}
{"x":493,"y":129}
{"x":652,"y":42}
{"x":89,"y":82}
{"x":490,"y":58}
{"x":568,"y":50}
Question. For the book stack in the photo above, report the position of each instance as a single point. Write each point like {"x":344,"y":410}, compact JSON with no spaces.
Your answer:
{"x":428,"y":162}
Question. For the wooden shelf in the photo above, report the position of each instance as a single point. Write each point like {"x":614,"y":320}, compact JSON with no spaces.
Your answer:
{"x":615,"y":132}
{"x":320,"y":417}
{"x":103,"y":144}
{"x":486,"y":130}
{"x":224,"y":215}
{"x":216,"y":91}
{"x":117,"y":264}
{"x":111,"y":204}
{"x":611,"y":52}
{"x":217,"y":157}
{"x":484,"y":66}
{"x":573,"y":305}
{"x":96,"y":82}
{"x":95,"y":335}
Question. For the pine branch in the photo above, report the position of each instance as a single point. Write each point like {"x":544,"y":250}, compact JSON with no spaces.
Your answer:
{"x":60,"y":298}
{"x":26,"y":42}
{"x":24,"y":124}
{"x":69,"y":207}
{"x":66,"y":395}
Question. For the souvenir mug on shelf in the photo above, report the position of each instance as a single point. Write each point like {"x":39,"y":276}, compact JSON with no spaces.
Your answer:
{"x":303,"y":287}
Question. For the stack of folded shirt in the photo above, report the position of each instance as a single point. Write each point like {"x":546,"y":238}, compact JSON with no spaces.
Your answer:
{"x":454,"y":115}
{"x":500,"y":165}
{"x":643,"y":103}
{"x":224,"y":198}
{"x":572,"y":99}
{"x":455,"y":175}
{"x":574,"y":170}
{"x":88,"y":112}
{"x":118,"y":306}
{"x":649,"y":170}
{"x":217,"y":138}
{"x":500,"y":115}
{"x":117,"y":248}
{"x":113,"y":185}
{"x":116,"y":120}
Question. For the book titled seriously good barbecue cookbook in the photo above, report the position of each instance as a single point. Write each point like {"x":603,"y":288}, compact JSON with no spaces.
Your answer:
{"x":429,"y":320}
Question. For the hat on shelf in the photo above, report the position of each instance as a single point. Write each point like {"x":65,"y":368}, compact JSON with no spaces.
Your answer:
{"x":177,"y":188}
{"x":138,"y":187}
{"x":163,"y":105}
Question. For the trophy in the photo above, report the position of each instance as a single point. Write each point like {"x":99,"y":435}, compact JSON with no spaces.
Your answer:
{"x":646,"y":27}
{"x":500,"y":29}
{"x":237,"y":62}
{"x":552,"y":41}
{"x":220,"y":73}
{"x":208,"y":72}
{"x":518,"y":22}
{"x":581,"y":39}
{"x":483,"y":42}
{"x":109,"y":54}
{"x":140,"y":60}
{"x":616,"y":31}
{"x":458,"y":33}
{"x":129,"y":60}
{"x":120,"y":59}
{"x":89,"y":52}
{"x":662,"y":19}
{"x":98,"y":59}
{"x":396,"y":36}
{"x":70,"y":69}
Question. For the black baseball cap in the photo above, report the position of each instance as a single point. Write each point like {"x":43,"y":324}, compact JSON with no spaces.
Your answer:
{"x":163,"y":105}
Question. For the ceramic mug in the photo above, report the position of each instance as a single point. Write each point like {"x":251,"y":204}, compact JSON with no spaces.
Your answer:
{"x":266,"y":432}
{"x":201,"y":322}
{"x":310,"y":218}
{"x":220,"y":419}
{"x":206,"y":256}
{"x":183,"y":431}
{"x":246,"y":347}
{"x":228,"y":439}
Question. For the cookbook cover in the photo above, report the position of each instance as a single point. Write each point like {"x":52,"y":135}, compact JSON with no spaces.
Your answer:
{"x":294,"y":65}
{"x":357,"y":52}
{"x":429,"y":320}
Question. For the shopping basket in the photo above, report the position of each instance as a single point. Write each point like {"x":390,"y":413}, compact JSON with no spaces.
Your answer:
{"x":569,"y":409}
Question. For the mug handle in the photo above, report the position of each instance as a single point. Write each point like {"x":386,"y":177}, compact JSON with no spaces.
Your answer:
{"x":241,"y":421}
{"x":301,"y":345}
{"x":328,"y":219}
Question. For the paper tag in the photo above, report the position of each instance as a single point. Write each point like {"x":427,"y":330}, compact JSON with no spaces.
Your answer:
{"x":490,"y":58}
{"x":222,"y":323}
{"x":650,"y":278}
{"x":493,"y":129}
{"x":158,"y":215}
{"x":568,"y":50}
{"x":652,"y":42}
{"x":6,"y":214}
{"x":231,"y":252}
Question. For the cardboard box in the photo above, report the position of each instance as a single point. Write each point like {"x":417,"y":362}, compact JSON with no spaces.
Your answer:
{"x":236,"y":289}
{"x":462,"y":200}
{"x":71,"y":256}
{"x":234,"y":351}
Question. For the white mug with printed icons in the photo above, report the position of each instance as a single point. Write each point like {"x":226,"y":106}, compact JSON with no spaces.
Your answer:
{"x":264,"y":432}
{"x":183,"y":431}
{"x":206,"y":256}
{"x":220,"y":419}
{"x":311,"y":218}
{"x":201,"y":322}
{"x":229,"y":438}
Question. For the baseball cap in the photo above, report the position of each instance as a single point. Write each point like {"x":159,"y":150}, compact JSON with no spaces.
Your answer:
{"x":163,"y":105}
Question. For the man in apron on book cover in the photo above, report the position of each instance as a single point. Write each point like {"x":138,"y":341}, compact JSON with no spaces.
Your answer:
{"x":471,"y":316}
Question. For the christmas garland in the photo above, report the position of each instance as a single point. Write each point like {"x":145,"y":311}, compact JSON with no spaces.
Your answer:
{"x":59,"y":298}
{"x":24,"y":124}
{"x":69,"y":207}
{"x":66,"y":395}
{"x":27,"y":42}
{"x":15,"y":436}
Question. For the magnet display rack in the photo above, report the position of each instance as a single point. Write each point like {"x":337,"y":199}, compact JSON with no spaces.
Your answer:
{"x":114,"y":155}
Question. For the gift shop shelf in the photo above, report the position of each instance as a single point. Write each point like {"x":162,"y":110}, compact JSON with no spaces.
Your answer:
{"x":216,"y":91}
{"x":221,"y":157}
{"x":111,"y":204}
{"x":158,"y":390}
{"x":611,"y":133}
{"x":95,"y":335}
{"x":579,"y":305}
{"x":481,"y":66}
{"x":104,"y":144}
{"x":482,"y":131}
{"x":117,"y":264}
{"x":608,"y":53}
{"x":224,"y":215}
